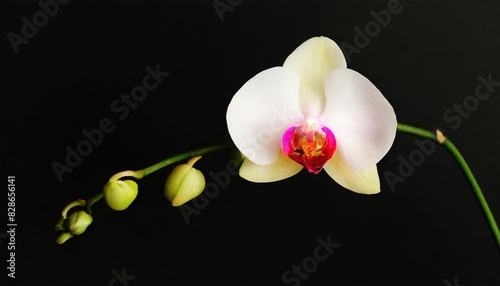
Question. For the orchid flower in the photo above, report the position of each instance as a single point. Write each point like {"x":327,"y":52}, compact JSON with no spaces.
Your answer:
{"x":313,"y":113}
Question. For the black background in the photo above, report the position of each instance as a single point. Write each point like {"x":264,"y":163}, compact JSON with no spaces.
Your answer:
{"x":429,"y":231}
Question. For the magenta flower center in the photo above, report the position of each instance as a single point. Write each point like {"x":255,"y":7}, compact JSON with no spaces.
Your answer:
{"x":310,"y":144}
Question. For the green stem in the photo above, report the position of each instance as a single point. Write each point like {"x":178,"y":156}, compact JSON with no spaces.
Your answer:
{"x":448,"y":145}
{"x":77,"y":203}
{"x":184,"y":156}
{"x":93,"y":200}
{"x":435,"y":136}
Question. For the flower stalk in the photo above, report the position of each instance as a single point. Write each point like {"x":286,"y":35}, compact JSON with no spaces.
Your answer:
{"x":184,"y":156}
{"x":436,"y":136}
{"x":440,"y":138}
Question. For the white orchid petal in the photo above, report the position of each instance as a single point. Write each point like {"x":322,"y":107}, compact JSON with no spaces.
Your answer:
{"x":363,"y":121}
{"x":313,"y":60}
{"x":362,"y":182}
{"x":261,"y":110}
{"x":281,"y":169}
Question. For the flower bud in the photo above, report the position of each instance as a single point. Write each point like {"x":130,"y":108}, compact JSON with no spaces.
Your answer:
{"x":120,"y":194}
{"x":184,"y":183}
{"x":63,"y":237}
{"x":78,"y":221}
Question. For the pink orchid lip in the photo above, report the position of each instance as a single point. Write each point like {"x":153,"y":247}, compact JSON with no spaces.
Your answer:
{"x":310,"y":144}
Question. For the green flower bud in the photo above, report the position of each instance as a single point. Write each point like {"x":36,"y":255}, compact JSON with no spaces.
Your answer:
{"x":120,"y":194}
{"x":78,"y":221}
{"x":63,"y":237}
{"x":184,"y":183}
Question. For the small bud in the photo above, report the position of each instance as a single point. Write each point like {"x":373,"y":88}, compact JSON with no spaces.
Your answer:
{"x":120,"y":194}
{"x":441,"y":138}
{"x":78,"y":221}
{"x":63,"y":237}
{"x":184,"y":183}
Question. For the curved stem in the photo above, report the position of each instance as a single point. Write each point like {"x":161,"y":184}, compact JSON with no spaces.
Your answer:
{"x":93,"y":200}
{"x":77,"y":203}
{"x":183,"y":156}
{"x":136,"y":174}
{"x":448,"y":145}
{"x":435,"y":136}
